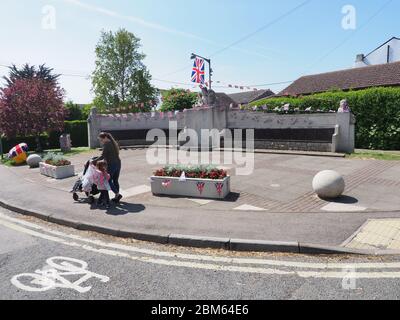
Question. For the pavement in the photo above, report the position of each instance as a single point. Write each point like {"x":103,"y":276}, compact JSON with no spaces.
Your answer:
{"x":272,"y":209}
{"x":43,"y":261}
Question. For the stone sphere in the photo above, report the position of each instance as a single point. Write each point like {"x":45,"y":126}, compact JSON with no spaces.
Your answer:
{"x":328,"y":184}
{"x":34,"y":160}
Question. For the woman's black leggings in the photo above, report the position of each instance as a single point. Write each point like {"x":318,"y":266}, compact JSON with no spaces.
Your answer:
{"x":114,"y":170}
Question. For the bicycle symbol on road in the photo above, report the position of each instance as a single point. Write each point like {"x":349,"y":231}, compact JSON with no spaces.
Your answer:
{"x":54,"y":276}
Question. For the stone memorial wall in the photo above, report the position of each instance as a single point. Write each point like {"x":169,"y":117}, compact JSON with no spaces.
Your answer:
{"x":325,"y":132}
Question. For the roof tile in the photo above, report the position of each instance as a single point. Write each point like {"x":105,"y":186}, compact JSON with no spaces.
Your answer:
{"x":357,"y":78}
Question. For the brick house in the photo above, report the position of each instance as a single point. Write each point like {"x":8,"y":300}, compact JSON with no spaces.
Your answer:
{"x":381,"y":75}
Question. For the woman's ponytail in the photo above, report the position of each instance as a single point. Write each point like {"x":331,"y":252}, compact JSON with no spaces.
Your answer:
{"x":109,"y":136}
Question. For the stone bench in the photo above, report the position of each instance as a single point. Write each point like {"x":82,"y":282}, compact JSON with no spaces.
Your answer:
{"x":308,"y":139}
{"x":137,"y":137}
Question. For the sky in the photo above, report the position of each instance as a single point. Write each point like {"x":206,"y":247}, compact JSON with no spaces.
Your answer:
{"x":252,"y":43}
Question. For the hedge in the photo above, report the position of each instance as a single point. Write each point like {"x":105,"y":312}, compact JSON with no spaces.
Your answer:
{"x":77,"y":129}
{"x":377,"y":111}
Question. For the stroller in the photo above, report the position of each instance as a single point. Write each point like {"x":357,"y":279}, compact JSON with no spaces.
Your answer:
{"x":78,"y":187}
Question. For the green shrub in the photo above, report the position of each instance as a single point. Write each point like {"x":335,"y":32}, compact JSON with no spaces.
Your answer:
{"x":74,"y":112}
{"x":377,"y":111}
{"x":77,"y":129}
{"x":178,"y":100}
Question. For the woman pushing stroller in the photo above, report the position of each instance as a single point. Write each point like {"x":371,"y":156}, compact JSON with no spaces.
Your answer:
{"x":110,"y":155}
{"x":101,"y":174}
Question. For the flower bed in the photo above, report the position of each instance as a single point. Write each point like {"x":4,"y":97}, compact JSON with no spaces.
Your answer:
{"x":201,"y":172}
{"x":196,"y":182}
{"x":56,"y":166}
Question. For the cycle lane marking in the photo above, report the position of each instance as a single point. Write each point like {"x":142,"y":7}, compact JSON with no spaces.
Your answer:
{"x":55,"y":275}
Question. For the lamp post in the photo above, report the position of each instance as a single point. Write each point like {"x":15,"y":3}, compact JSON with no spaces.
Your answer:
{"x":210,"y":71}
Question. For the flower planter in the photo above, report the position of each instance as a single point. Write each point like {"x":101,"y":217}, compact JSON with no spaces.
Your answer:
{"x":57,"y":172}
{"x":194,"y":188}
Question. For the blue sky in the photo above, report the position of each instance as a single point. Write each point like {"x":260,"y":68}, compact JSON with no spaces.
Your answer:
{"x":310,"y":40}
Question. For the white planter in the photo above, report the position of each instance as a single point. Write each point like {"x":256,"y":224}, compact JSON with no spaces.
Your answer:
{"x":195,"y":188}
{"x":57,"y":172}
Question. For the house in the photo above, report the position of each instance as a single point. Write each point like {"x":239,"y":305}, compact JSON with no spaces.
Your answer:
{"x":386,"y":53}
{"x":381,"y":75}
{"x":244,"y":98}
{"x":225,"y":100}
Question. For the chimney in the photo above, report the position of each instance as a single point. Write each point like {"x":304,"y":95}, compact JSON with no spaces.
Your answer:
{"x":360,"y":58}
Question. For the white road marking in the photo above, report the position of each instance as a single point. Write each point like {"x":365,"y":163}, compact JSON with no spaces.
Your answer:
{"x":56,"y":274}
{"x":247,"y":207}
{"x":134,"y":191}
{"x":203,"y":257}
{"x":201,"y":202}
{"x":342,"y":207}
{"x":172,"y":263}
{"x":301,"y":265}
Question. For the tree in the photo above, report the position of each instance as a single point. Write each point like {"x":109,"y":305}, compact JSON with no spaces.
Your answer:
{"x":31,"y":107}
{"x":120,"y":78}
{"x":178,"y":99}
{"x":74,"y":112}
{"x":30,"y":72}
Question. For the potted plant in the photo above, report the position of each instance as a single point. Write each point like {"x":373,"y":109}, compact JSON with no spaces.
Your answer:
{"x":56,"y":166}
{"x":207,"y":182}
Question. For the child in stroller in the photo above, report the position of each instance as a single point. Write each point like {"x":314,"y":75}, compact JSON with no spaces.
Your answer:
{"x":79,"y":185}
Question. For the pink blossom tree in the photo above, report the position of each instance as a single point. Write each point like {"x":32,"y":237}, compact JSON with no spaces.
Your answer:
{"x":31,"y":107}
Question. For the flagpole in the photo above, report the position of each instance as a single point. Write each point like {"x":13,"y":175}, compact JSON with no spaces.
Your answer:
{"x":209,"y":72}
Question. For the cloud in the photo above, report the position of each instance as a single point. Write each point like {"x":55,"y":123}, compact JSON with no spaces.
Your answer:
{"x":139,"y":21}
{"x":155,"y":26}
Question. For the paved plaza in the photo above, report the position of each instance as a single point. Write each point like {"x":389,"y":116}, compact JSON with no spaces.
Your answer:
{"x":274,"y":203}
{"x":279,"y":183}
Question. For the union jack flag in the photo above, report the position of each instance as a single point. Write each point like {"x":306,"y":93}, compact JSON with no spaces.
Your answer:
{"x":198,"y":71}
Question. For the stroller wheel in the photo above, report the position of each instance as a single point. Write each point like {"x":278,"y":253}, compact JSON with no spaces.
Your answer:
{"x":75,"y":196}
{"x":91,"y":200}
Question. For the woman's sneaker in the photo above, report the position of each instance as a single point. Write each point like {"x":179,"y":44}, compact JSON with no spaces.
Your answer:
{"x":117,"y":199}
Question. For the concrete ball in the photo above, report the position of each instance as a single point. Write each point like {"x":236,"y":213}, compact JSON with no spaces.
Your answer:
{"x":34,"y":160}
{"x":328,"y":184}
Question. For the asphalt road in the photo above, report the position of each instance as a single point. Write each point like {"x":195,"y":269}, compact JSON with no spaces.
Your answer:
{"x":44,"y":261}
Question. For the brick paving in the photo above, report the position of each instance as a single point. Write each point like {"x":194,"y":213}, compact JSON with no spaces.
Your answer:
{"x":309,"y":202}
{"x":369,"y":173}
{"x":279,"y":183}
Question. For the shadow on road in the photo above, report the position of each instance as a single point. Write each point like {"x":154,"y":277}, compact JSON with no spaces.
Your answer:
{"x":343,"y":200}
{"x":125,"y":208}
{"x":232,"y":197}
{"x":120,"y":209}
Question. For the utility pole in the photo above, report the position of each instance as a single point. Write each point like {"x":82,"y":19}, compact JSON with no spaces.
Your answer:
{"x":210,"y":71}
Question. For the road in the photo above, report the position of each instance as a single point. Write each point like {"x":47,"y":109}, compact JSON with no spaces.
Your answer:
{"x":43,"y":261}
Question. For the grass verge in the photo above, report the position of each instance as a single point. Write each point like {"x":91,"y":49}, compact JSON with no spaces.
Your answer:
{"x":75,"y":151}
{"x":377,"y":155}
